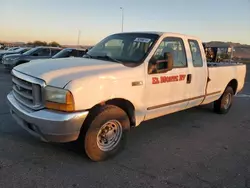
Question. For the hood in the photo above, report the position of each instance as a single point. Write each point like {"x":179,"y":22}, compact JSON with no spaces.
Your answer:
{"x":3,"y":52}
{"x":13,"y":55}
{"x":59,"y":72}
{"x":10,"y":52}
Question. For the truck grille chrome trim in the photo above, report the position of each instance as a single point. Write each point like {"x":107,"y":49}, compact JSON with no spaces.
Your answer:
{"x":28,"y":90}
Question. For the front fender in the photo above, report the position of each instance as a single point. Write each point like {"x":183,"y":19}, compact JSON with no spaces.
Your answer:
{"x":89,"y":92}
{"x":95,"y":89}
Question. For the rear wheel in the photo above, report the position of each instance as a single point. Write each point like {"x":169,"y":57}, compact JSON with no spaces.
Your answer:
{"x":106,"y":133}
{"x":224,"y":103}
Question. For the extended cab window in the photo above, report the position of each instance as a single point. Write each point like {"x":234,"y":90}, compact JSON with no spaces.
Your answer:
{"x":173,"y":45}
{"x":196,"y":53}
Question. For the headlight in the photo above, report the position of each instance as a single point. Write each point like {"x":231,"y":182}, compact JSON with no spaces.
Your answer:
{"x":13,"y":59}
{"x":59,"y":99}
{"x":9,"y":59}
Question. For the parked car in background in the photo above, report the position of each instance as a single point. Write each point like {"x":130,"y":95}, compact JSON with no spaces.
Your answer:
{"x":11,"y":61}
{"x":10,"y":52}
{"x":12,"y":48}
{"x":70,"y":52}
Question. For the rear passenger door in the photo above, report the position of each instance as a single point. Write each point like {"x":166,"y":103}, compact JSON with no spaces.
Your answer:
{"x":196,"y":86}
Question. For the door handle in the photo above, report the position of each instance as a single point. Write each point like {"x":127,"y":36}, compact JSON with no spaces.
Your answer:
{"x":189,"y":78}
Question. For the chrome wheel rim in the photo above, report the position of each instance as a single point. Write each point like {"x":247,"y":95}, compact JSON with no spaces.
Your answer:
{"x":109,"y":135}
{"x":227,"y":101}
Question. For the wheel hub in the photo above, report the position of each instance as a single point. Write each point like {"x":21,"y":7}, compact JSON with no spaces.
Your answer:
{"x":227,"y":100}
{"x":109,"y":135}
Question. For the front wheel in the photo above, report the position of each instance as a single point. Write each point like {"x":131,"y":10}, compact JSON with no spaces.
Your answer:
{"x":224,"y":103}
{"x":106,"y":133}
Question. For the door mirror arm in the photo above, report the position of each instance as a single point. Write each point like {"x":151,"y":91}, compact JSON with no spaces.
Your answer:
{"x":166,"y":64}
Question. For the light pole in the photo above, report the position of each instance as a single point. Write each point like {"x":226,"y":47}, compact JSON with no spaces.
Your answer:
{"x":78,"y":39}
{"x":122,"y":16}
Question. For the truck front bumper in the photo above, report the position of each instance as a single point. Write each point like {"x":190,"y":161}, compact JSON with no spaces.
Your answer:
{"x":47,"y":125}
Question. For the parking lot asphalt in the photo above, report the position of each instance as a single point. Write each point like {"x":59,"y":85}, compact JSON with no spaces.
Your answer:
{"x":192,"y":148}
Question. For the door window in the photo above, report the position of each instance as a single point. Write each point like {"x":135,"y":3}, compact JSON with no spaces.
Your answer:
{"x":172,"y":45}
{"x":43,"y":52}
{"x":196,"y":53}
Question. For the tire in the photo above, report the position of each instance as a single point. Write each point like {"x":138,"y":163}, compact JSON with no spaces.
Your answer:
{"x":224,"y":103}
{"x":99,"y":145}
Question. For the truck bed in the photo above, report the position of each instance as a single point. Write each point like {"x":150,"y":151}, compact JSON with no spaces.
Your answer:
{"x":220,"y":75}
{"x":223,"y":64}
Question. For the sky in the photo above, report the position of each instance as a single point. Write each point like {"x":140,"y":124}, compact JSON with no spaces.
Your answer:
{"x":61,"y":20}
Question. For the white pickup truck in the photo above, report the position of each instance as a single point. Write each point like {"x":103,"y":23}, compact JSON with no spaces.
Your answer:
{"x":125,"y":79}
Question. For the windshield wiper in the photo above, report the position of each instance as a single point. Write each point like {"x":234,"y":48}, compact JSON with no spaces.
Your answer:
{"x":108,"y":58}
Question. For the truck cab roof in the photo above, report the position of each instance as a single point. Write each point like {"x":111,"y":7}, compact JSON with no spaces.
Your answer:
{"x":163,"y":34}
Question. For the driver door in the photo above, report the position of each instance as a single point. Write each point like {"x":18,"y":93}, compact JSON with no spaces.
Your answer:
{"x":166,"y":92}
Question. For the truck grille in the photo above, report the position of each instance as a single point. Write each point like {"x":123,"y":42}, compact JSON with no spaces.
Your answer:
{"x":27,"y":93}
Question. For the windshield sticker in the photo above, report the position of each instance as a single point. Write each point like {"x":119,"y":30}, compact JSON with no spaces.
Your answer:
{"x":145,"y":40}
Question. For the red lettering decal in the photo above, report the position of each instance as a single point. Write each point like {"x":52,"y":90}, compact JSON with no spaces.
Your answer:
{"x":166,"y":79}
{"x":175,"y":78}
{"x":155,"y":80}
{"x":163,"y":79}
{"x":182,"y":77}
{"x":171,"y":78}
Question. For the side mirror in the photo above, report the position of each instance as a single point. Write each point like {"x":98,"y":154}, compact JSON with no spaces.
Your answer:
{"x":166,"y":64}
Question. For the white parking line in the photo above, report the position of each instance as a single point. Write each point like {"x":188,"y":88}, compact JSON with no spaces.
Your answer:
{"x":243,"y":95}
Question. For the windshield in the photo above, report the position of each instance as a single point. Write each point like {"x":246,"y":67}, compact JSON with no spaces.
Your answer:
{"x":19,"y":50}
{"x":10,"y":49}
{"x":124,"y":47}
{"x":29,"y":52}
{"x":63,"y":53}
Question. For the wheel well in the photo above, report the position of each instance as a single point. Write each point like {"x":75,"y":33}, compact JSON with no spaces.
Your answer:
{"x":125,"y":105}
{"x":234,"y":84}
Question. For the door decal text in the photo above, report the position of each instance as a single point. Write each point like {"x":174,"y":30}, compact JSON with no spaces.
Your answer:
{"x":166,"y":79}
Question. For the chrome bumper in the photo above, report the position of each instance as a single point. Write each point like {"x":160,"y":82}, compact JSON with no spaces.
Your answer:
{"x":48,"y":125}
